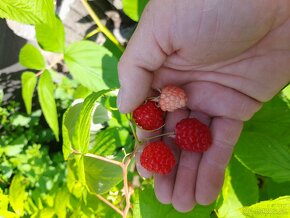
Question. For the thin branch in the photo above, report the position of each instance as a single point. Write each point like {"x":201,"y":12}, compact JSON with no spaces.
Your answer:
{"x":92,"y":33}
{"x":58,"y":60}
{"x":104,"y":159}
{"x":102,"y":27}
{"x":110,"y":204}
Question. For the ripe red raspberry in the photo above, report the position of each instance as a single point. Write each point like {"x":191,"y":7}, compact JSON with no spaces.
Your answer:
{"x":172,"y":98}
{"x":149,"y":116}
{"x":158,"y":158}
{"x":192,"y":135}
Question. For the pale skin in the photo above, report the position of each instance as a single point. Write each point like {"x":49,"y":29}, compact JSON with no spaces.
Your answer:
{"x":230,"y":56}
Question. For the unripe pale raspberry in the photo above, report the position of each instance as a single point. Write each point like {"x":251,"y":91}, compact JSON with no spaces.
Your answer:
{"x":172,"y":98}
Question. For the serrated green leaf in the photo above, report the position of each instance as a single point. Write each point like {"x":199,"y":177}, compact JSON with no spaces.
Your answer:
{"x":17,"y":194}
{"x":278,"y":208}
{"x":81,"y":135}
{"x":31,"y":57}
{"x":264,"y":146}
{"x":240,"y":189}
{"x":134,"y":8}
{"x":69,"y":120}
{"x":28,"y":80}
{"x":51,"y":37}
{"x":271,"y":189}
{"x":101,"y":176}
{"x":45,"y":91}
{"x":61,"y":202}
{"x":92,"y":65}
{"x":105,"y":142}
{"x":147,"y":206}
{"x":30,"y":12}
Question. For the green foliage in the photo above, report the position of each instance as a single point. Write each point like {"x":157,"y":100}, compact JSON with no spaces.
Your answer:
{"x":36,"y":181}
{"x":28,"y":80}
{"x":45,"y":91}
{"x":240,"y":189}
{"x":30,"y":12}
{"x":51,"y":37}
{"x":31,"y":57}
{"x":100,"y":176}
{"x":147,"y":206}
{"x":134,"y":8}
{"x":264,"y":144}
{"x":93,"y":66}
{"x":267,"y":209}
{"x":17,"y":194}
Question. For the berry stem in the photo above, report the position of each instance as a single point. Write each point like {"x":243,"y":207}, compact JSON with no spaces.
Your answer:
{"x":157,"y":136}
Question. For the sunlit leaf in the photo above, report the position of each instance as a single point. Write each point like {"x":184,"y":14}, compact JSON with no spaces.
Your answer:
{"x":31,"y":57}
{"x":51,"y":37}
{"x":92,"y":65}
{"x":47,"y":102}
{"x":134,"y":8}
{"x":81,"y":134}
{"x":28,"y":80}
{"x":17,"y":194}
{"x":278,"y":208}
{"x":30,"y":12}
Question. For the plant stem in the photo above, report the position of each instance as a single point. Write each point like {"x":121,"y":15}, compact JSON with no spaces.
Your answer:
{"x":157,"y":136}
{"x":126,"y":188}
{"x":104,"y":159}
{"x":102,"y":27}
{"x":51,"y":65}
{"x":110,"y":204}
{"x":92,"y":33}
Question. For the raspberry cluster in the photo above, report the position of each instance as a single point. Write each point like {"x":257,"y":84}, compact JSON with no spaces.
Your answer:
{"x":190,"y":133}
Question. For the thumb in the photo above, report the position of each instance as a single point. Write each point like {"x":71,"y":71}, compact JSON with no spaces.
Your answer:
{"x":142,"y":57}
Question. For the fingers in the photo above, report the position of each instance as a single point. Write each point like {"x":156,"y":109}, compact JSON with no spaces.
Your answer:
{"x":220,"y":101}
{"x":164,"y":183}
{"x":225,"y":133}
{"x":143,"y":55}
{"x":183,"y":198}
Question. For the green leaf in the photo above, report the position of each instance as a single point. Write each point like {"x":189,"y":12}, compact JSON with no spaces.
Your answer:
{"x":30,"y":12}
{"x":8,"y":214}
{"x":134,"y":8}
{"x":240,"y":189}
{"x":17,"y":194}
{"x":1,"y":96}
{"x":278,"y":208}
{"x":31,"y":57}
{"x":147,"y":206}
{"x":28,"y":80}
{"x":264,"y":146}
{"x":51,"y":37}
{"x":271,"y":189}
{"x":47,"y":102}
{"x":81,"y":135}
{"x":105,"y":142}
{"x":101,"y":176}
{"x":61,"y":202}
{"x":92,"y":65}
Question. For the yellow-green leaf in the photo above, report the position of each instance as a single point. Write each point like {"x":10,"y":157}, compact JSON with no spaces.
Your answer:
{"x":31,"y":57}
{"x":17,"y":194}
{"x":45,"y":91}
{"x":278,"y":208}
{"x":28,"y":80}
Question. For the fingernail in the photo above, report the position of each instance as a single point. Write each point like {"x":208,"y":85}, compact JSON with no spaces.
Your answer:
{"x":119,"y":99}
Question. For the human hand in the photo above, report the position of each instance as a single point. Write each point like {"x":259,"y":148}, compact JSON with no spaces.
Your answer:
{"x":230,"y":56}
